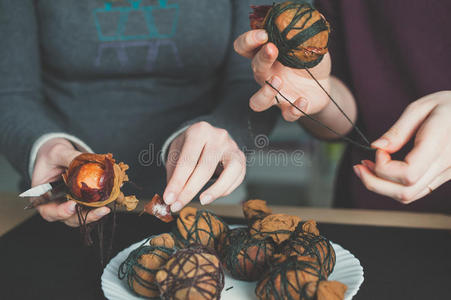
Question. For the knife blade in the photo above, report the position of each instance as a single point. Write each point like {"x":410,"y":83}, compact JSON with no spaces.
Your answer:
{"x":45,"y":193}
{"x":37,"y":190}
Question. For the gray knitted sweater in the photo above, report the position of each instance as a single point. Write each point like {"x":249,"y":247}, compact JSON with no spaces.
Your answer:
{"x":122,"y":76}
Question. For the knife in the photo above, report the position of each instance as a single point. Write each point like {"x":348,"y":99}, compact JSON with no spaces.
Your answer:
{"x":45,"y":193}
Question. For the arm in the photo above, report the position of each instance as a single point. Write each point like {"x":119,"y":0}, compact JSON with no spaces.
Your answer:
{"x":217,"y":139}
{"x":25,"y":117}
{"x":330,"y":115}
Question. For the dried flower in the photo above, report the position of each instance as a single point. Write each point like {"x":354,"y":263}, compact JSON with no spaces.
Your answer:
{"x":156,"y":207}
{"x":255,"y":209}
{"x":277,"y":226}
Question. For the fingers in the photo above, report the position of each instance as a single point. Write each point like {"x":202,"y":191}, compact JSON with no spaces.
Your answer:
{"x":445,"y":176}
{"x":65,"y":212}
{"x":247,"y":44}
{"x":51,"y":159}
{"x":393,"y":170}
{"x":230,"y":178}
{"x":60,"y":152}
{"x":402,"y":193}
{"x":186,"y":163}
{"x":57,"y":212}
{"x":174,"y":155}
{"x":264,"y":98}
{"x":199,"y":161}
{"x":263,"y":61}
{"x":406,"y":126}
{"x":429,"y":144}
{"x":239,"y":180}
{"x":93,"y":216}
{"x":204,"y":171}
{"x":290,"y":113}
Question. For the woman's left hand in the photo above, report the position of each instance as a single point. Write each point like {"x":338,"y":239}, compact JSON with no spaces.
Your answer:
{"x":427,"y":166}
{"x":194,"y":157}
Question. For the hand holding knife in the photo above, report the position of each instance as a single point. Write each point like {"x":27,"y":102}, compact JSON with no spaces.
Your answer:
{"x":45,"y":193}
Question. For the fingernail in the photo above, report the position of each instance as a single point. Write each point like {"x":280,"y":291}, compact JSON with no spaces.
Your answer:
{"x":176,"y":207}
{"x":357,"y":171}
{"x":170,"y":198}
{"x":204,"y":200}
{"x":71,"y":207}
{"x":276,"y":82}
{"x":380,"y":143}
{"x":102,"y":211}
{"x":262,"y":36}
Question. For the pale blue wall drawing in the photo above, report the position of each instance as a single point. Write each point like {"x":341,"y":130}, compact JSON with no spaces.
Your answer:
{"x":120,"y":38}
{"x":148,"y":11}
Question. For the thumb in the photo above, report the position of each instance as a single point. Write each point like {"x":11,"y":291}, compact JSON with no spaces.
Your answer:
{"x":65,"y":157}
{"x":404,"y":129}
{"x":52,"y":158}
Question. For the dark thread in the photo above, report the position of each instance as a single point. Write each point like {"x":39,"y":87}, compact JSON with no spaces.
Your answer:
{"x":234,"y":253}
{"x":195,"y":232}
{"x":339,"y":108}
{"x":203,"y":275}
{"x":287,"y":46}
{"x":129,"y":267}
{"x":307,"y":244}
{"x":277,"y":285}
{"x":345,"y":138}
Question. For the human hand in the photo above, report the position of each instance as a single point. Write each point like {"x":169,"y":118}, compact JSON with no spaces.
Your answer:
{"x":193,"y":158}
{"x":427,"y":166}
{"x":51,"y":161}
{"x":295,"y":84}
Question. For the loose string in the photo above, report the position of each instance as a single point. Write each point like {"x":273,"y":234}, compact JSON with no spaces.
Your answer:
{"x":345,"y":138}
{"x":339,"y":108}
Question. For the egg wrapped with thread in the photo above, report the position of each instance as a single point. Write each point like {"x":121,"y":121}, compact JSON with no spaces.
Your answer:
{"x":199,"y":226}
{"x":299,"y":31}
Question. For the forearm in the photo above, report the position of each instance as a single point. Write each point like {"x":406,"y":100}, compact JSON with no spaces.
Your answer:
{"x":331,"y":116}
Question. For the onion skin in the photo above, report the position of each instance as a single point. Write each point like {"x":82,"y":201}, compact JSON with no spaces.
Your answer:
{"x":95,"y":180}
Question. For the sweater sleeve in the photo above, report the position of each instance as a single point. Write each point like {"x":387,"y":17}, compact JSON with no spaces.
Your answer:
{"x":238,"y":85}
{"x":24,"y":114}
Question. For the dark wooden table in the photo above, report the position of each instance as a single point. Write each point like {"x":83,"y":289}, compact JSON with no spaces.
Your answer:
{"x":41,"y":260}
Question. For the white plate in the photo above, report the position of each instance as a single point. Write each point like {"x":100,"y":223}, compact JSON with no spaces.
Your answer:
{"x":347,"y":270}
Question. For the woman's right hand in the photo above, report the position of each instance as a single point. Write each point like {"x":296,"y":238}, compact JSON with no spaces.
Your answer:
{"x":295,"y":84}
{"x":51,"y":161}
